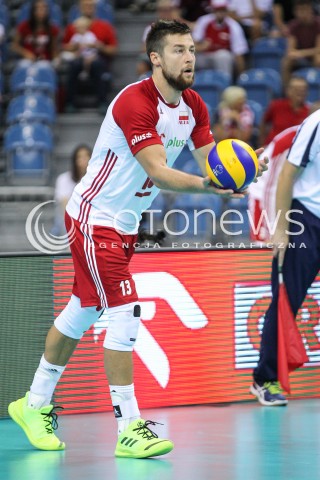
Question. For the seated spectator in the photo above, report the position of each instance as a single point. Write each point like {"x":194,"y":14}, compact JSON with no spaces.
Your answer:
{"x":254,"y":16}
{"x":191,"y":10}
{"x":36,"y":38}
{"x":65,"y":184}
{"x":285,"y":112}
{"x":220,"y":40}
{"x":83,"y":42}
{"x":234,"y":118}
{"x":106,"y":46}
{"x":282,"y":15}
{"x":303,"y":48}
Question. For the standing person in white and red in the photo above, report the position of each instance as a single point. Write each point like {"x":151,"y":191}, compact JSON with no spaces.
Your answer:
{"x":298,"y":225}
{"x":220,"y":40}
{"x":131,"y":161}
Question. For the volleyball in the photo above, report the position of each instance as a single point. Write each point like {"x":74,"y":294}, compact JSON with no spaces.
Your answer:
{"x":232,"y":164}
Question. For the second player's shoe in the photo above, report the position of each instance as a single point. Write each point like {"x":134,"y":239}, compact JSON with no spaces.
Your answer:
{"x":38,"y":425}
{"x":269,"y":394}
{"x":138,"y":441}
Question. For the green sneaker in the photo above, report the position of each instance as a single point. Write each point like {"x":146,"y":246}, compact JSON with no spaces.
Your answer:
{"x":138,"y":441}
{"x":38,"y":425}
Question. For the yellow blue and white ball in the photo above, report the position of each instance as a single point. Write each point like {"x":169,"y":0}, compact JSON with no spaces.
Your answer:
{"x":232,"y":164}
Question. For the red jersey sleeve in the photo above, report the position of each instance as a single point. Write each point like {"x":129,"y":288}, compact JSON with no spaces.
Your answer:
{"x":22,"y":28}
{"x":104,"y":31}
{"x":201,"y":134}
{"x":69,"y":31}
{"x":137,"y":116}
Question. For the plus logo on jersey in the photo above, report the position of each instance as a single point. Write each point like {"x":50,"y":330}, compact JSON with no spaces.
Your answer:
{"x":183,"y":118}
{"x":139,"y":138}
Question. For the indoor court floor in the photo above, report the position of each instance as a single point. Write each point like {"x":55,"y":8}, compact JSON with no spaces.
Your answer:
{"x":240,"y":441}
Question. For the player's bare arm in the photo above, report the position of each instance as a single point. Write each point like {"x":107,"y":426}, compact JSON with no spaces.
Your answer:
{"x":153,"y":161}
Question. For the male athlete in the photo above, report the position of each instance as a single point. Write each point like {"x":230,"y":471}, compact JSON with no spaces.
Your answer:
{"x":145,"y":129}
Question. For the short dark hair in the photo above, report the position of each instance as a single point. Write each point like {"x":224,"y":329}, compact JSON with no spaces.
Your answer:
{"x":298,"y":3}
{"x":159,"y":30}
{"x":75,"y":174}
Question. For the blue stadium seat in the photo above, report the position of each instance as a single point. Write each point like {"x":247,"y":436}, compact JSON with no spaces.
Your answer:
{"x":28,"y":148}
{"x":36,"y":76}
{"x":312,"y":76}
{"x":33,"y":107}
{"x":104,"y":11}
{"x":4,"y":16}
{"x":56,"y":16}
{"x":258,"y":111}
{"x":261,"y":84}
{"x":210,"y":84}
{"x":268,"y":53}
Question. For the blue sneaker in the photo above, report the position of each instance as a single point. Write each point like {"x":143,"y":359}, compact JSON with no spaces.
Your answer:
{"x":269,"y":394}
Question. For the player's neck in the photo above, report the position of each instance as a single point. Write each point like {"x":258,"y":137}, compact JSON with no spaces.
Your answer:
{"x":169,"y":94}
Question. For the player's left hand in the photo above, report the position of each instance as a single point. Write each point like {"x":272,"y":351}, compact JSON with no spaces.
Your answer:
{"x":263,"y":163}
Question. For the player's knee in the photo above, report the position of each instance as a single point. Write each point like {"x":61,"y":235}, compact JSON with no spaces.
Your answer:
{"x":123,"y":327}
{"x":75,"y":320}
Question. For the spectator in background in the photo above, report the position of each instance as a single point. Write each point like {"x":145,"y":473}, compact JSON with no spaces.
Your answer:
{"x":106,"y":45}
{"x":303,"y":48}
{"x":37,"y":38}
{"x":234,"y":118}
{"x":83,"y":43}
{"x":220,"y":41}
{"x":191,"y":10}
{"x":282,"y":15}
{"x":165,"y":10}
{"x":66,"y":182}
{"x":255,"y":17}
{"x":285,"y":112}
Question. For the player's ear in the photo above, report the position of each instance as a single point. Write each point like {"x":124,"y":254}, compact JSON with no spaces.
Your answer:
{"x":155,"y":59}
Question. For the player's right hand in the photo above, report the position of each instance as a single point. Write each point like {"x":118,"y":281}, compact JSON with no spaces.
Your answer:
{"x":222,"y":192}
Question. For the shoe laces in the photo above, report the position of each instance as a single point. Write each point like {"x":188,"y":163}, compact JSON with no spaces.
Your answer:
{"x":51,"y":419}
{"x":273,"y":387}
{"x":144,"y":430}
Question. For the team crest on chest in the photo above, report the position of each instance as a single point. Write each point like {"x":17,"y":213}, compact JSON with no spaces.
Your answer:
{"x":183,"y":117}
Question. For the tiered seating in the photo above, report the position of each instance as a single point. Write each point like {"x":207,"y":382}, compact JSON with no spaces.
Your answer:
{"x":312,"y":77}
{"x":28,"y":140}
{"x":210,"y":84}
{"x":261,"y":84}
{"x":28,"y":147}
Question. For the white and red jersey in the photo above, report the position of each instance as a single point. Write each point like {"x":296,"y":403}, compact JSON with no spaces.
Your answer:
{"x":116,"y":189}
{"x":227,"y":35}
{"x":262,"y":195}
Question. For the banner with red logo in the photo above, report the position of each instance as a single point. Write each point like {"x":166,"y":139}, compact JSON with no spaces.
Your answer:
{"x":202,"y":314}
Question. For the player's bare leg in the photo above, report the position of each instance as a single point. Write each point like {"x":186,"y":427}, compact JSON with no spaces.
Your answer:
{"x":59,"y":347}
{"x":34,"y":413}
{"x":136,"y":440}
